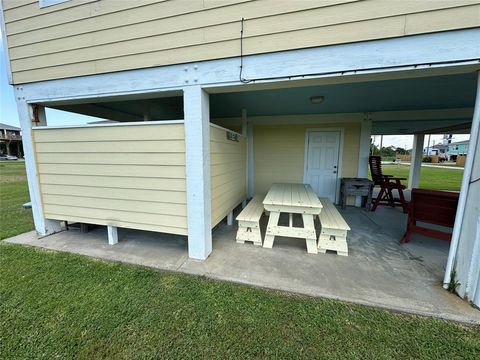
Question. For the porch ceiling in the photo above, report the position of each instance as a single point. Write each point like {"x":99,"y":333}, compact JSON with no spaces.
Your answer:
{"x":439,"y":92}
{"x":418,"y":93}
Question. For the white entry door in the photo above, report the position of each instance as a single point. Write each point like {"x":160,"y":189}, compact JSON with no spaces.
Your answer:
{"x":322,"y":163}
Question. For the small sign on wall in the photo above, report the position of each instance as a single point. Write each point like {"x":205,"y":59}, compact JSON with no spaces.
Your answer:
{"x":232,"y":136}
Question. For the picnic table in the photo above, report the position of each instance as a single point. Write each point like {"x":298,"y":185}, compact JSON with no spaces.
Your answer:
{"x":292,"y":199}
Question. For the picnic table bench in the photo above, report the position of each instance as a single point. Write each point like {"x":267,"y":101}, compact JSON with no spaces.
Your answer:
{"x":333,"y":235}
{"x":249,"y":222}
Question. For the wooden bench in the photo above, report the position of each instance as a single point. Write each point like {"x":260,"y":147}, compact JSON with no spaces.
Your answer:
{"x":249,"y":222}
{"x":432,"y":207}
{"x":333,"y":235}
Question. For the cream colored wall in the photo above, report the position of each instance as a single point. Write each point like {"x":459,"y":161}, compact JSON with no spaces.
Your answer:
{"x":84,"y":37}
{"x":279,"y":152}
{"x":125,"y":176}
{"x":228,"y":173}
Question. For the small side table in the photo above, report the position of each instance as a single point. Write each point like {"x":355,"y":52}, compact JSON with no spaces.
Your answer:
{"x":356,"y":187}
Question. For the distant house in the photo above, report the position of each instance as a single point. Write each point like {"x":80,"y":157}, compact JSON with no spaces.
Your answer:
{"x":11,"y":140}
{"x":457,"y":148}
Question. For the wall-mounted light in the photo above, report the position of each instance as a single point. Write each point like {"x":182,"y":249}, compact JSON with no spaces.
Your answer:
{"x":316,"y":99}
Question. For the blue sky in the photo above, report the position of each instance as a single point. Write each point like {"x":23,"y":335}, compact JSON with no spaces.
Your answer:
{"x":8,"y":114}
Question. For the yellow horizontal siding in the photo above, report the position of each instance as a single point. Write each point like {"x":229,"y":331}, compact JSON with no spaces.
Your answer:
{"x":151,"y":207}
{"x":132,"y":146}
{"x":113,"y":158}
{"x":111,"y":133}
{"x":149,"y":171}
{"x":106,"y":36}
{"x":106,"y":44}
{"x":127,"y":176}
{"x":279,"y":153}
{"x":151,"y":195}
{"x":13,"y":4}
{"x":123,"y":182}
{"x":116,"y":215}
{"x":228,"y":173}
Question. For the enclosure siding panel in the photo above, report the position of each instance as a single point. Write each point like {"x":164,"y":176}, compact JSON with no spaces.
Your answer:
{"x":125,"y":176}
{"x":228,"y":173}
{"x":84,"y":37}
{"x":279,"y":152}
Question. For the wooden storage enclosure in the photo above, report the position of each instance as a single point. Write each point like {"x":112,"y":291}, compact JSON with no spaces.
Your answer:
{"x":228,"y":161}
{"x":130,"y":175}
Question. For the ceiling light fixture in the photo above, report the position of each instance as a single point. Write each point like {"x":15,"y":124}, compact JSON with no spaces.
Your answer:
{"x":316,"y":99}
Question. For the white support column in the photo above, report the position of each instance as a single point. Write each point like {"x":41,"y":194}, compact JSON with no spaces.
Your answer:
{"x":197,"y":147}
{"x":42,"y":226}
{"x":248,"y":141}
{"x":112,"y":232}
{"x":250,"y":175}
{"x":364,"y":153}
{"x":230,"y":218}
{"x":244,"y":122}
{"x":416,"y":161}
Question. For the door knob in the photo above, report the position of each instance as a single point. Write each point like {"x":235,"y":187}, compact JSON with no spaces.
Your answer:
{"x":334,"y":171}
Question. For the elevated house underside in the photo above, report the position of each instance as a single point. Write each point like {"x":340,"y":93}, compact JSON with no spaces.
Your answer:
{"x":199,"y":129}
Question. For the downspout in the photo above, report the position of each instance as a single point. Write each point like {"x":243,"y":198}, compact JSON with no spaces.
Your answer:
{"x":474,"y":134}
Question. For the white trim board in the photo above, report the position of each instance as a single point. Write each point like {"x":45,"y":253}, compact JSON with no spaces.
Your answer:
{"x":442,"y":49}
{"x":45,"y":3}
{"x":130,"y":123}
{"x":340,"y":155}
{"x":223,"y":128}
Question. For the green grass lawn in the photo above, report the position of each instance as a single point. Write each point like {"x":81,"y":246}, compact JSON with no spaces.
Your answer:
{"x":60,"y":305}
{"x":13,"y":193}
{"x":63,"y":305}
{"x":430,"y":178}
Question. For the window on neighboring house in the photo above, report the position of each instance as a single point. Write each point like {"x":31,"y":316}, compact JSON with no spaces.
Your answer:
{"x":45,"y":3}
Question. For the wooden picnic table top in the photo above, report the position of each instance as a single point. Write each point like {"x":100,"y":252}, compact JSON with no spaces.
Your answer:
{"x":293,"y":196}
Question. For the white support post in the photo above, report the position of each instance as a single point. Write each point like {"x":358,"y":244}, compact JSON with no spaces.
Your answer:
{"x":416,"y":161}
{"x":364,"y":153}
{"x":244,"y":122}
{"x":248,"y":141}
{"x":42,"y":226}
{"x":112,"y":235}
{"x":230,"y":218}
{"x":250,"y":175}
{"x":197,"y":147}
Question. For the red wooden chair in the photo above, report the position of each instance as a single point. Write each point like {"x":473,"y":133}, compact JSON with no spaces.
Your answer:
{"x":432,"y":207}
{"x":387,"y":184}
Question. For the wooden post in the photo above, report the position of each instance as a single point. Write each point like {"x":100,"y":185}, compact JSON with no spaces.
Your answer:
{"x":230,"y":218}
{"x":416,"y":161}
{"x":364,"y":153}
{"x":197,"y":147}
{"x":112,"y":232}
{"x":42,"y":226}
{"x":250,"y":159}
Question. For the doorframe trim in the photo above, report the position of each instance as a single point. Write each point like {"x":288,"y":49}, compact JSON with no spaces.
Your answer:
{"x":340,"y":155}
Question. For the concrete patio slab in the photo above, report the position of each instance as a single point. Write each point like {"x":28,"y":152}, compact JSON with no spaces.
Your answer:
{"x":379,"y":271}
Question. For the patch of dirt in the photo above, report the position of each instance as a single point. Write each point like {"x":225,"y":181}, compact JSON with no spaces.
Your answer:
{"x":12,"y":178}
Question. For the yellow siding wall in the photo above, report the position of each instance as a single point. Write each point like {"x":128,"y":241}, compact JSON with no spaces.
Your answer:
{"x":279,"y":153}
{"x":83,"y":37}
{"x":125,"y":176}
{"x":229,"y":178}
